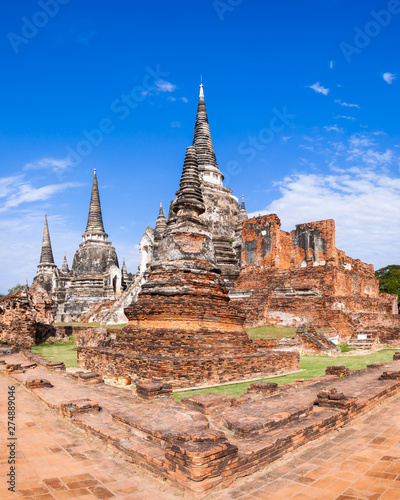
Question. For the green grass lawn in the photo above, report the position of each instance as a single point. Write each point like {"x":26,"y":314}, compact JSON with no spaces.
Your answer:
{"x":270,"y":332}
{"x":95,"y":324}
{"x":313,"y":366}
{"x":58,"y":352}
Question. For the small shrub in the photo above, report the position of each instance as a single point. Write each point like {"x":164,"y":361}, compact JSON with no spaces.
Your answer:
{"x":346,"y":348}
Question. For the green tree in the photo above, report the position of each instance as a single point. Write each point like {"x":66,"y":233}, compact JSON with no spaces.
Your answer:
{"x":389,"y":280}
{"x":14,"y":288}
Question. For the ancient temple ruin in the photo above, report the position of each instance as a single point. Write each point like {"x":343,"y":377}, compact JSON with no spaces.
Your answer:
{"x":301,"y":277}
{"x":182,"y":329}
{"x":273,"y":277}
{"x":222,"y":214}
{"x":95,"y":276}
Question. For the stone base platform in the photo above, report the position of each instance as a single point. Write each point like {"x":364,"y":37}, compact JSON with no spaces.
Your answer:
{"x":227,"y":438}
{"x":188,"y":371}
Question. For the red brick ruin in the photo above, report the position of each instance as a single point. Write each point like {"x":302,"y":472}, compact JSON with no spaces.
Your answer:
{"x":301,"y":277}
{"x":26,"y":316}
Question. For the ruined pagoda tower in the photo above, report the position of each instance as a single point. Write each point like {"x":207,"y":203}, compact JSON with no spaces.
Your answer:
{"x":182,"y":329}
{"x":221,"y":207}
{"x":47,"y":270}
{"x":96,"y":276}
{"x":222,"y":214}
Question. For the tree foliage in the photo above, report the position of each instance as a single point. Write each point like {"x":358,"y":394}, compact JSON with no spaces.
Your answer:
{"x":389,"y":279}
{"x":14,"y":288}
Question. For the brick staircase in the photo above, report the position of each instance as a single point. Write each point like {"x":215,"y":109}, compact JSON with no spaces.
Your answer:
{"x":226,"y":260}
{"x":368,"y":343}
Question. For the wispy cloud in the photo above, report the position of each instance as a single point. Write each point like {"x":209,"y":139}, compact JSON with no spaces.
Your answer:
{"x":286,"y":137}
{"x":170,"y":98}
{"x":363,"y":151}
{"x":331,"y":64}
{"x":165,"y":86}
{"x":346,"y":104}
{"x":57,"y":165}
{"x":17,"y":191}
{"x":333,"y":128}
{"x":184,"y":99}
{"x":176,"y":124}
{"x":389,"y":77}
{"x":344,"y":117}
{"x":7,"y":184}
{"x":362,"y":228}
{"x":319,"y":88}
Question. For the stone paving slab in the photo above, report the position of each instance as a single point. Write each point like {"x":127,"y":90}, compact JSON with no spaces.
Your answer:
{"x":55,"y":460}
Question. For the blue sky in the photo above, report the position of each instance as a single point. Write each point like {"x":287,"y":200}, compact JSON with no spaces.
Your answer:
{"x":302,"y":99}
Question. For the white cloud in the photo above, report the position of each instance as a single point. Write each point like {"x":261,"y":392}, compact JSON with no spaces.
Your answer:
{"x":176,"y":124}
{"x":165,"y":86}
{"x":184,"y":99}
{"x":7,"y":184}
{"x":331,"y":64}
{"x":319,"y":88}
{"x":363,"y":227}
{"x":55,"y":164}
{"x":388,"y":77}
{"x":333,"y":128}
{"x":308,"y":148}
{"x":170,"y":98}
{"x":344,"y":117}
{"x":286,"y":137}
{"x":372,"y":158}
{"x":348,"y":105}
{"x":17,"y":191}
{"x":358,"y":191}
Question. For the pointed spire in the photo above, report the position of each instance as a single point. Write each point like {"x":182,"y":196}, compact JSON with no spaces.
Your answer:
{"x":46,"y":256}
{"x":203,"y":144}
{"x":242,"y":213}
{"x":65,"y":268}
{"x":124,"y":269}
{"x":95,"y":218}
{"x":125,"y":281}
{"x":189,"y":197}
{"x":201,"y":87}
{"x":161,"y":223}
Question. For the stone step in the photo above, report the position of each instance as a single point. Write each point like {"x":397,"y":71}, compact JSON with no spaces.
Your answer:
{"x":160,"y":424}
{"x":361,"y":343}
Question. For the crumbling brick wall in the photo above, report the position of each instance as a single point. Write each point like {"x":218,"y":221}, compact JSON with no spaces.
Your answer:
{"x":301,"y":277}
{"x":26,"y":316}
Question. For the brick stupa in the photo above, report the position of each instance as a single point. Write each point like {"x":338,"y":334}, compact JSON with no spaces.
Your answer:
{"x":182,"y":329}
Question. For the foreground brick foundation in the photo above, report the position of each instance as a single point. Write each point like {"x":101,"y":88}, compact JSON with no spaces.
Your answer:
{"x":189,"y":371}
{"x":208,"y":440}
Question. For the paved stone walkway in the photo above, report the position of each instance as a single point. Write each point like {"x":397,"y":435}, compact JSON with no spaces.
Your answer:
{"x":57,"y":461}
{"x":361,"y":461}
